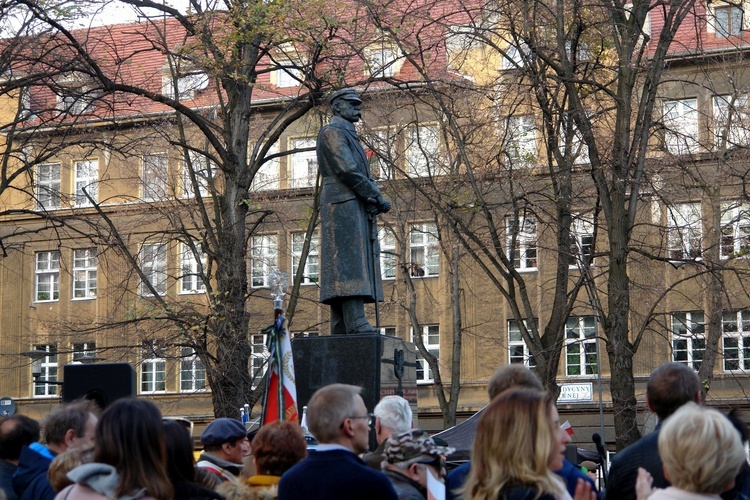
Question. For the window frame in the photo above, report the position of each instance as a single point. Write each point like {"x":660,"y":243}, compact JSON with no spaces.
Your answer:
{"x":581,"y":230}
{"x":192,"y":366}
{"x":85,"y":262}
{"x":521,"y":145}
{"x":191,"y":269}
{"x":48,"y":372}
{"x":734,"y":108}
{"x":428,"y":337}
{"x":47,"y":188}
{"x":298,"y":160}
{"x":267,"y":177}
{"x":90,"y":182}
{"x":388,"y":255}
{"x":154,"y":177}
{"x":51,"y":270}
{"x":264,"y":258}
{"x":153,"y":357}
{"x":525,"y":256}
{"x":430,"y":248}
{"x":735,"y":230}
{"x":681,"y":131}
{"x":422,"y":151}
{"x":586,"y":337}
{"x":82,"y":351}
{"x":682,"y":218}
{"x":695,"y":330}
{"x":155,"y":268}
{"x":515,"y":342}
{"x":311,"y":273}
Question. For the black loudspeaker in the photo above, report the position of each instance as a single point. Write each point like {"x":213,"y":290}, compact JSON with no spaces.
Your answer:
{"x":102,"y":383}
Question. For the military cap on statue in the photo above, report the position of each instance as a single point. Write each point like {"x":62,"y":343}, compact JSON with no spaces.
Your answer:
{"x":346,"y":94}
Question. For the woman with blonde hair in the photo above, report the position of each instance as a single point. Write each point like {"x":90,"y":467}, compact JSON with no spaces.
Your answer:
{"x":518,"y":443}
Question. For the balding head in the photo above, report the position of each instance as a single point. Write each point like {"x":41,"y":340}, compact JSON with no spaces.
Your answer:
{"x":670,"y":386}
{"x":16,"y":432}
{"x":512,"y":376}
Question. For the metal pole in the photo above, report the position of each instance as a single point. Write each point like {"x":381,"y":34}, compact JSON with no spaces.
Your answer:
{"x":375,"y":277}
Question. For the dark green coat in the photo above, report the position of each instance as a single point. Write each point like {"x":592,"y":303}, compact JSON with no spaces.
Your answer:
{"x":346,"y":246}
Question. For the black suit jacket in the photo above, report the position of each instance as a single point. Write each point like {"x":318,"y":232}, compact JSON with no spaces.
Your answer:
{"x":624,"y":470}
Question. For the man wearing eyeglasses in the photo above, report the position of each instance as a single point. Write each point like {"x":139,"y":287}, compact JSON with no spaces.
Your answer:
{"x":409,"y":458}
{"x":337,"y":417}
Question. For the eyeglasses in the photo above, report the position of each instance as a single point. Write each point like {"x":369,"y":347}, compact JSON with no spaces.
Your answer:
{"x":369,"y":416}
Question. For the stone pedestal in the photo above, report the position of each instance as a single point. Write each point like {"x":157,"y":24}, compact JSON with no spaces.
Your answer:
{"x":380,"y":364}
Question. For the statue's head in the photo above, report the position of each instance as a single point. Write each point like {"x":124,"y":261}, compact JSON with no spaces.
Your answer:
{"x":346,"y":104}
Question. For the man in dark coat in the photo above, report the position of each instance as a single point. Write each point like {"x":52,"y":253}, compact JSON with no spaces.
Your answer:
{"x":350,"y":203}
{"x":669,"y":387}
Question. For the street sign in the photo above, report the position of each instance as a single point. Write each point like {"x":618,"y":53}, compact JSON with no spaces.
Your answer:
{"x":7,"y":407}
{"x":576,"y":393}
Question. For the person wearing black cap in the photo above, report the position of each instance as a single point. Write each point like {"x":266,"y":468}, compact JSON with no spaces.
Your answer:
{"x":224,"y":446}
{"x":350,"y":203}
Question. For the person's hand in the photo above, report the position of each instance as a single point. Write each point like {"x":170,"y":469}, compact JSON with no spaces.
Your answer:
{"x":373,"y":209}
{"x":583,"y":491}
{"x":644,"y":484}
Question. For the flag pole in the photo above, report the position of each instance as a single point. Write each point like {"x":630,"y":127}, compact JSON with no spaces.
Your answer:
{"x":279,"y":282}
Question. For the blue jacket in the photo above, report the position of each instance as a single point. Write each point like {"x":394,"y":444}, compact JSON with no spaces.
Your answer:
{"x":334,"y":475}
{"x":30,"y":479}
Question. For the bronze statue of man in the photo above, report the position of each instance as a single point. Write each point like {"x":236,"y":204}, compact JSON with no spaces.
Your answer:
{"x":349,"y":205}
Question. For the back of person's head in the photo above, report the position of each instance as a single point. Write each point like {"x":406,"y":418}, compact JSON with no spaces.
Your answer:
{"x":511,"y":376}
{"x":670,"y":386}
{"x":73,"y":416}
{"x":66,"y":462}
{"x":513,"y":444}
{"x":130,"y":437}
{"x":179,"y":449}
{"x":278,"y":446}
{"x":701,"y":450}
{"x":16,"y":432}
{"x":395,"y":413}
{"x":328,"y":408}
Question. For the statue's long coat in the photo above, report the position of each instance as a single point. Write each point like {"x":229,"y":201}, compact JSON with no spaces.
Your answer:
{"x":346,"y":245}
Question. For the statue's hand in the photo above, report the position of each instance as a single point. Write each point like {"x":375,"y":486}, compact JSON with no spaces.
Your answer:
{"x":383,"y":205}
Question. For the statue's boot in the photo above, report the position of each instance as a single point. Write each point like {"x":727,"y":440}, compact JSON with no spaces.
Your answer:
{"x":354,"y":317}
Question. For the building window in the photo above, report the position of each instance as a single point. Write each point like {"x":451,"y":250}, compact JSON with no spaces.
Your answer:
{"x":48,"y":195}
{"x":153,"y":259}
{"x":86,"y":182}
{"x":75,"y":99}
{"x":390,"y":331}
{"x":735,"y":328}
{"x":688,"y":340}
{"x":580,"y":345}
{"x":304,"y":164}
{"x":730,"y":121}
{"x":311,"y":273}
{"x":199,"y":167}
{"x":681,"y":126}
{"x":684,"y":231}
{"x":422,"y":152}
{"x":192,"y":265}
{"x":187,"y":85}
{"x":521,"y":242}
{"x":259,"y":357}
{"x":192,"y":371}
{"x":47,"y":276}
{"x":83,"y":351}
{"x":582,"y":241}
{"x":431,"y":341}
{"x":518,"y":351}
{"x":84,"y":273}
{"x":388,"y":256}
{"x":383,"y":61}
{"x":153,"y":369}
{"x":423,"y":247}
{"x":264,"y":259}
{"x":571,"y":140}
{"x":267,"y":176}
{"x":735,"y":230}
{"x":46,"y":367}
{"x":516,"y":57}
{"x":154,"y":177}
{"x":728,"y":21}
{"x":520,"y":135}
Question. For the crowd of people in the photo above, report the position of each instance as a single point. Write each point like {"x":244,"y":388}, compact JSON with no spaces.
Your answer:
{"x":128,"y":451}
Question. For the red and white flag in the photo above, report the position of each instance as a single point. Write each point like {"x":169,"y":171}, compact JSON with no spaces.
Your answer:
{"x":289,"y":389}
{"x":567,"y":428}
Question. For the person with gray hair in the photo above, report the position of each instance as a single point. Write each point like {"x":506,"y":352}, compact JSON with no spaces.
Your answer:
{"x":337,"y":417}
{"x":393,"y":415}
{"x":702,"y":454}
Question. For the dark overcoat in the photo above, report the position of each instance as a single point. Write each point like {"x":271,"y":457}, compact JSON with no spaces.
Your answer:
{"x":346,"y":239}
